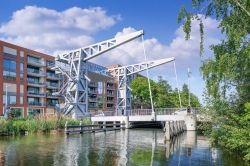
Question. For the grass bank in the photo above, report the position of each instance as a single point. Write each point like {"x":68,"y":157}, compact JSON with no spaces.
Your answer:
{"x":36,"y":124}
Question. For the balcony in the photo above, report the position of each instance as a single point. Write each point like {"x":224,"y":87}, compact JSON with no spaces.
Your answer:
{"x":34,"y":62}
{"x":34,"y":72}
{"x":52,"y":85}
{"x":50,"y":95}
{"x":35,"y":83}
{"x":110,"y":101}
{"x":93,"y":84}
{"x":34,"y":103}
{"x":93,"y":92}
{"x":110,"y":88}
{"x":93,"y":100}
{"x":50,"y":65}
{"x":110,"y":94}
{"x":51,"y":104}
{"x":92,"y":105}
{"x":35,"y":94}
{"x":52,"y":76}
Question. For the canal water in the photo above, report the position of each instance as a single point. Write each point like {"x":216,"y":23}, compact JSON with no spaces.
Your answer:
{"x":135,"y":147}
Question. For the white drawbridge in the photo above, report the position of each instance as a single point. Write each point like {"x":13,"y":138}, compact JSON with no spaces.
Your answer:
{"x":75,"y":85}
{"x":123,"y":74}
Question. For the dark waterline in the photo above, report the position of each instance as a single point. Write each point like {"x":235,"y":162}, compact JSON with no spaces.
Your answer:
{"x":128,"y":147}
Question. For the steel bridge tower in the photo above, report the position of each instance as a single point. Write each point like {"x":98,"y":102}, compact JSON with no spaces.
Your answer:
{"x":75,"y":84}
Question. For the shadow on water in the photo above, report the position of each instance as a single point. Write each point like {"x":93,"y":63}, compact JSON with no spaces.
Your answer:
{"x":125,"y":147}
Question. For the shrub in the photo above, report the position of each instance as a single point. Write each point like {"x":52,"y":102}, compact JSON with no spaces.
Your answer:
{"x":38,"y":123}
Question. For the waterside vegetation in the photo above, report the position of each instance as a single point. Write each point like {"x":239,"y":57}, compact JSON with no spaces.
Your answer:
{"x":40,"y":123}
{"x":227,"y":73}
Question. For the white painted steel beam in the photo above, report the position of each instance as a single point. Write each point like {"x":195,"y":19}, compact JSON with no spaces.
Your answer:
{"x":74,"y":87}
{"x":123,"y":74}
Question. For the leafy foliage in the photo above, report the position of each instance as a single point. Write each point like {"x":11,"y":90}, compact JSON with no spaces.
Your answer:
{"x":39,"y":123}
{"x":227,"y":74}
{"x":163,"y":94}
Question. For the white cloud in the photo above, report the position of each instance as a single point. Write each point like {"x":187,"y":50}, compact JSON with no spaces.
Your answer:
{"x":52,"y":31}
{"x":186,"y":53}
{"x":49,"y":30}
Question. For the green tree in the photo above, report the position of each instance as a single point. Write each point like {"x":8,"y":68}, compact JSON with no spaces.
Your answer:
{"x":163,"y":94}
{"x":227,"y":74}
{"x":140,"y":90}
{"x":194,"y":101}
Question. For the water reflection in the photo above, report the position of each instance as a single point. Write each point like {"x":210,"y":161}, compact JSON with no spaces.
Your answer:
{"x":126,"y":147}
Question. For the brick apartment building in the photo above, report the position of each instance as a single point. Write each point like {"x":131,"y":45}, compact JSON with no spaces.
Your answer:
{"x":29,"y":80}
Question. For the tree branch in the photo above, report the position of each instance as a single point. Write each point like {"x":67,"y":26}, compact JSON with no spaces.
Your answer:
{"x":242,"y":7}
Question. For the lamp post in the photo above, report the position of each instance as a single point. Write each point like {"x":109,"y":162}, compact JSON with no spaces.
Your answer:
{"x":6,"y":101}
{"x":189,"y":73}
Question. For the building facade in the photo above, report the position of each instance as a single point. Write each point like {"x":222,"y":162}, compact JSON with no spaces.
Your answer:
{"x":27,"y":83}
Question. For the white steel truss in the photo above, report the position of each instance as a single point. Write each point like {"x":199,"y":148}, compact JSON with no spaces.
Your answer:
{"x":75,"y":86}
{"x":123,"y":74}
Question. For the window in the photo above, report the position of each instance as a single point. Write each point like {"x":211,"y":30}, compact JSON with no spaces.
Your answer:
{"x":33,"y":59}
{"x":21,"y":100}
{"x":9,"y":51}
{"x":52,"y":102}
{"x":34,"y":112}
{"x":33,"y":80}
{"x":21,"y":54}
{"x":11,"y":99}
{"x":34,"y":101}
{"x":21,"y":71}
{"x":9,"y":69}
{"x":100,"y":88}
{"x":4,"y":99}
{"x":33,"y":90}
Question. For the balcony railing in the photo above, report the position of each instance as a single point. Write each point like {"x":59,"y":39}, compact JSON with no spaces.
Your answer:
{"x":51,"y":104}
{"x":48,"y":94}
{"x":92,"y":106}
{"x":110,"y":94}
{"x":110,"y":87}
{"x":93,"y":84}
{"x":55,"y":85}
{"x":110,"y":101}
{"x":92,"y":99}
{"x":36,"y":62}
{"x":36,"y":93}
{"x":93,"y":92}
{"x":35,"y":103}
{"x":52,"y":75}
{"x":35,"y":82}
{"x":33,"y":71}
{"x":50,"y":64}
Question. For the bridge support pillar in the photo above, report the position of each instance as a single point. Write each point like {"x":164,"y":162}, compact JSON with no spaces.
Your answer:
{"x":126,"y":121}
{"x":167,"y":131}
{"x":153,"y":116}
{"x":104,"y":127}
{"x":190,"y":122}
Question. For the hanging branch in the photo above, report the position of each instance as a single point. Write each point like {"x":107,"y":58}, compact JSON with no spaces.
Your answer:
{"x":242,"y":7}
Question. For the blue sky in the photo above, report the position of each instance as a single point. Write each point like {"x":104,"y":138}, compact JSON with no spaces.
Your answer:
{"x":54,"y":26}
{"x":157,"y":18}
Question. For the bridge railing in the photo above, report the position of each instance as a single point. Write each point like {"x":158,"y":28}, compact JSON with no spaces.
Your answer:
{"x":166,"y":111}
{"x":158,"y":111}
{"x":102,"y":113}
{"x":136,"y":112}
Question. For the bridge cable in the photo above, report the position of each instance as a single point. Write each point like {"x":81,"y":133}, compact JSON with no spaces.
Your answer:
{"x":177,"y":84}
{"x":149,"y":86}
